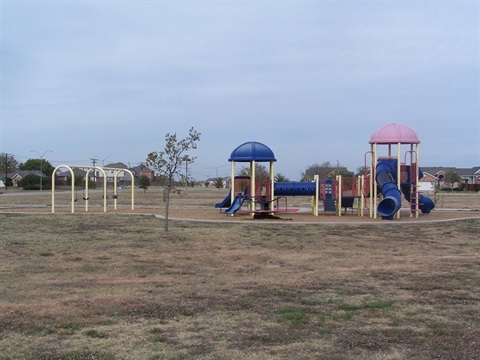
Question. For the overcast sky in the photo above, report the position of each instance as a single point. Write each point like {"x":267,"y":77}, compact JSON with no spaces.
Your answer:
{"x":312,"y":80}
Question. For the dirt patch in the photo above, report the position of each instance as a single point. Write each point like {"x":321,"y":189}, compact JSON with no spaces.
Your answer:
{"x":198,"y":204}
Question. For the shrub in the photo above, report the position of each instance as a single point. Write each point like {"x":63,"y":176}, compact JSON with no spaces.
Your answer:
{"x":32,"y":182}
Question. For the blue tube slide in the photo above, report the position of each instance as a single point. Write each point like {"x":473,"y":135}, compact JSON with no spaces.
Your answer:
{"x":386,"y":179}
{"x":426,"y":204}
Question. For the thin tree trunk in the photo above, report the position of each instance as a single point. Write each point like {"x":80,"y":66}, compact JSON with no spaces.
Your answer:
{"x":166,"y":208}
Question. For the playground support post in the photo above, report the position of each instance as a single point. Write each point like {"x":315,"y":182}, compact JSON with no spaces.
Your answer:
{"x":370,"y":184}
{"x":104,"y":187}
{"x":272,"y":186}
{"x":118,"y":171}
{"x":417,"y":204}
{"x":86,"y":196}
{"x":232,"y":182}
{"x":252,"y":187}
{"x":373,"y":183}
{"x":339,"y":195}
{"x":115,"y":196}
{"x":361,"y":186}
{"x":399,"y":158}
{"x":72,"y":191}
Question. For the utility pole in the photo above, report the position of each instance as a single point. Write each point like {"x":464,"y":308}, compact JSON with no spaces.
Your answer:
{"x":6,"y":170}
{"x":41,"y":166}
{"x":94,"y":161}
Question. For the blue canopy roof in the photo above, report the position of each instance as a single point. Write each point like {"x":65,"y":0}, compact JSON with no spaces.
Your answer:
{"x":252,"y":151}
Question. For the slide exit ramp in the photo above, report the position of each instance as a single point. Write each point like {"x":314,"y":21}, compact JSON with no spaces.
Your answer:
{"x":236,"y":204}
{"x":225,"y":202}
{"x":425,"y":204}
{"x":386,"y":175}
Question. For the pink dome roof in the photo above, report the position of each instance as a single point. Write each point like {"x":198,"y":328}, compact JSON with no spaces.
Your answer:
{"x":394,"y":133}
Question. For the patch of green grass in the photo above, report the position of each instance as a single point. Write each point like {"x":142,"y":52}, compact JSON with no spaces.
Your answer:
{"x":308,"y":302}
{"x":378,"y":304}
{"x":37,"y":330}
{"x":325,"y":327}
{"x":294,"y":315}
{"x":155,"y":331}
{"x":69,"y":328}
{"x":438,"y":329}
{"x":46,"y":354}
{"x":45,"y":253}
{"x":342,"y":316}
{"x":96,"y":334}
{"x":288,"y":294}
{"x":162,"y":339}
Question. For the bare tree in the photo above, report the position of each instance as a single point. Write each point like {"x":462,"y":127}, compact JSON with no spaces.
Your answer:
{"x":322,"y":170}
{"x":326,"y":170}
{"x":452,"y":178}
{"x":7,"y":163}
{"x":169,"y":162}
{"x":261,"y":172}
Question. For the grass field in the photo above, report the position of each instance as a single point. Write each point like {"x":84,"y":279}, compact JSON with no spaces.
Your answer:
{"x":115,"y":286}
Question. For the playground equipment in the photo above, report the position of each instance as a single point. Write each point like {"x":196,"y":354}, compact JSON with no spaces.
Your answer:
{"x":252,"y":152}
{"x":387,"y":174}
{"x":261,"y":199}
{"x":325,"y":190}
{"x":391,"y":175}
{"x":237,"y":202}
{"x":86,"y":194}
{"x":266,"y":198}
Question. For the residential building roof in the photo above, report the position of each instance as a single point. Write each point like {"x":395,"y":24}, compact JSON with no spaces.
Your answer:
{"x":118,"y":165}
{"x":23,"y":173}
{"x":141,"y":168}
{"x":76,"y":172}
{"x":442,"y":170}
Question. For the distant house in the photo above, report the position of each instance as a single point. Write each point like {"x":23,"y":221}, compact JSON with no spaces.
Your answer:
{"x":20,"y":174}
{"x":62,"y":176}
{"x":143,"y":170}
{"x":110,"y":174}
{"x":470,"y":176}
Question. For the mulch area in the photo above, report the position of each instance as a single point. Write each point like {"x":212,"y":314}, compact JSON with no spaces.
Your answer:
{"x":212,"y":214}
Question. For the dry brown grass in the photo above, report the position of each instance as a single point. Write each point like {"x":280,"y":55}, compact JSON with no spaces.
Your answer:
{"x":115,"y":286}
